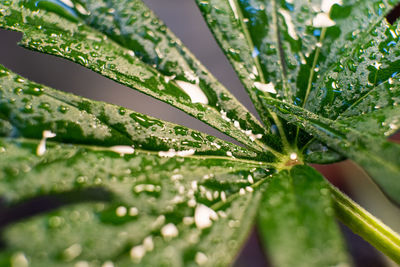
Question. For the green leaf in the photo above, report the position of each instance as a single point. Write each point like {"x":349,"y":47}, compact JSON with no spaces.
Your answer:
{"x":297,"y":223}
{"x":54,"y":28}
{"x":122,"y":178}
{"x":32,"y":108}
{"x":101,"y":206}
{"x":380,"y":158}
{"x":360,"y":78}
{"x":108,"y":186}
{"x":227,"y":22}
{"x":285,"y":47}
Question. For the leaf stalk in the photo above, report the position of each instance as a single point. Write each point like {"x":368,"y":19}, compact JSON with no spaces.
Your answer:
{"x":366,"y":225}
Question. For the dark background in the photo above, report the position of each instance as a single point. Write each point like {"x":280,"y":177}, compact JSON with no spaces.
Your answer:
{"x":183,"y":17}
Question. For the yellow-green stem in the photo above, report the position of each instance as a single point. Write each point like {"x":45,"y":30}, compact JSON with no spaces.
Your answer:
{"x":366,"y":225}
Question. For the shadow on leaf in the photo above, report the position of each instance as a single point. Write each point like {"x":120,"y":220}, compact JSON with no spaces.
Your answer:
{"x":11,"y":213}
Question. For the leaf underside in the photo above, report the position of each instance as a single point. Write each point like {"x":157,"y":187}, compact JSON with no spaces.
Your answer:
{"x":115,"y":187}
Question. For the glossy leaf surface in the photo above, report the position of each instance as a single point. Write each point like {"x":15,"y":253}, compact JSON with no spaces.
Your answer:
{"x":380,"y":158}
{"x":31,"y":108}
{"x":315,"y":54}
{"x":54,"y":28}
{"x":297,"y":218}
{"x":101,"y":206}
{"x":115,"y":187}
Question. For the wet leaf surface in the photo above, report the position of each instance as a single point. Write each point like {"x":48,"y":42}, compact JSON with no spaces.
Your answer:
{"x":107,"y":186}
{"x":298,"y":221}
{"x":30,"y":108}
{"x":54,"y":28}
{"x":380,"y":158}
{"x":150,"y":204}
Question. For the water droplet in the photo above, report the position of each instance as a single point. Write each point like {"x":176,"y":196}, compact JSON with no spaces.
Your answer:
{"x":250,"y":179}
{"x":81,"y":264}
{"x":288,"y":20}
{"x":242,"y":191}
{"x":201,"y":258}
{"x":148,"y":243}
{"x":108,"y":264}
{"x":193,"y":91}
{"x":137,"y":253}
{"x":63,"y":109}
{"x":121,"y":211}
{"x":41,"y":148}
{"x":72,"y":252}
{"x":33,"y":90}
{"x":19,"y":260}
{"x":223,"y":196}
{"x":234,"y":9}
{"x":205,"y":6}
{"x":81,"y":9}
{"x":265,"y":87}
{"x":82,"y":60}
{"x":133,"y":211}
{"x":169,"y":231}
{"x":203,"y":216}
{"x":249,"y":189}
{"x":58,"y":7}
{"x":322,"y":20}
{"x":172,"y":153}
{"x":28,"y":108}
{"x":326,"y":5}
{"x":150,"y":188}
{"x":122,"y":150}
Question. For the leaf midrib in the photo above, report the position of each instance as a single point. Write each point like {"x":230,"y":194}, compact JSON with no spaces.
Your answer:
{"x":256,"y":61}
{"x":252,"y":163}
{"x":358,"y":40}
{"x":308,"y":114}
{"x":178,"y":104}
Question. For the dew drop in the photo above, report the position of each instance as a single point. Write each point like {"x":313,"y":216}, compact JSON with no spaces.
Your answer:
{"x":72,"y":252}
{"x":201,"y":258}
{"x":41,"y":148}
{"x":326,"y":5}
{"x":249,"y":189}
{"x":203,"y":216}
{"x":289,"y":23}
{"x":242,"y":191}
{"x":265,"y":87}
{"x":122,"y":150}
{"x":63,"y":109}
{"x":121,"y":211}
{"x":19,"y":260}
{"x":137,"y":253}
{"x":81,"y":264}
{"x":169,"y":231}
{"x":62,"y":8}
{"x":223,"y":196}
{"x":108,"y":264}
{"x":133,"y":211}
{"x":193,"y":91}
{"x":322,"y":20}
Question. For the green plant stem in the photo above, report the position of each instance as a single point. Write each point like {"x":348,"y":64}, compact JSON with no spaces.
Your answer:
{"x":366,"y":225}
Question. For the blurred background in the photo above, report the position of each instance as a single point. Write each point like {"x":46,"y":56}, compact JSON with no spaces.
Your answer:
{"x":183,"y":17}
